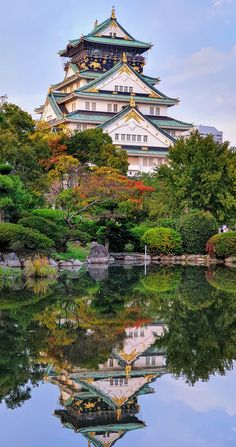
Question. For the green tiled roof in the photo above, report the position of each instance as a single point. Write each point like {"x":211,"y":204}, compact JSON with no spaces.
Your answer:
{"x":54,"y":105}
{"x":115,"y":41}
{"x":114,"y":70}
{"x":140,"y":99}
{"x":125,"y":111}
{"x":147,"y":152}
{"x":83,"y":117}
{"x":170,"y":123}
{"x":105,"y":25}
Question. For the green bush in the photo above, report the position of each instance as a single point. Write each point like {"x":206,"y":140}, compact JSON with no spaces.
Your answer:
{"x":196,"y":228}
{"x":16,"y":237}
{"x":222,"y":279}
{"x":56,"y":216}
{"x":163,"y":241}
{"x":222,"y":245}
{"x":46,"y":227}
{"x":167,"y":223}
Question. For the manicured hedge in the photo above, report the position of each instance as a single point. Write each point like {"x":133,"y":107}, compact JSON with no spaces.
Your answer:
{"x":222,"y":245}
{"x":163,"y":241}
{"x":56,"y":216}
{"x":167,"y":223}
{"x":196,"y":228}
{"x":46,"y":227}
{"x":16,"y":237}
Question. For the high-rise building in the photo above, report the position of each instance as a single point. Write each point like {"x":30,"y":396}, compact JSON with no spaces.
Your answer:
{"x":105,"y":86}
{"x":204,"y":131}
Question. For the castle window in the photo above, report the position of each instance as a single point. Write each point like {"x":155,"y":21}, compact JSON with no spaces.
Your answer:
{"x":121,"y":89}
{"x":78,"y":127}
{"x":116,"y":88}
{"x":148,"y":361}
{"x":134,"y":137}
{"x":139,"y":137}
{"x":73,"y":106}
{"x":115,"y":108}
{"x":158,"y":111}
{"x":126,"y":89}
{"x":131,"y":89}
{"x":109,"y":107}
{"x":153,"y":361}
{"x":128,"y":137}
{"x":87,"y":106}
{"x":145,"y":138}
{"x":142,"y":333}
{"x":94,"y":106}
{"x":123,"y":137}
{"x":151,"y":110}
{"x":116,"y":136}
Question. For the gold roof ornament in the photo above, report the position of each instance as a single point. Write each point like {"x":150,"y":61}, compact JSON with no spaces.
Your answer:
{"x":50,"y":90}
{"x":113,"y":13}
{"x":96,"y":24}
{"x":132,"y":102}
{"x":124,"y":58}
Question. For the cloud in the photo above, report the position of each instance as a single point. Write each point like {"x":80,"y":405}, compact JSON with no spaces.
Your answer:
{"x":204,"y":62}
{"x":216,"y":395}
{"x":220,"y":3}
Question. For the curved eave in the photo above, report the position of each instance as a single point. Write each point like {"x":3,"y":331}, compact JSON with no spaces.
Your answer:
{"x":121,"y":98}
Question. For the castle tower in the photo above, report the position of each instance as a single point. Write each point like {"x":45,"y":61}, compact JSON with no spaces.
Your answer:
{"x":103,"y":69}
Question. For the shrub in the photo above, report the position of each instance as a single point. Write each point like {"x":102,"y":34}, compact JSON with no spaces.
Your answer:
{"x":222,"y":245}
{"x":39,"y":268}
{"x":196,"y":228}
{"x":16,"y":237}
{"x":222,"y":279}
{"x":46,"y":227}
{"x":167,"y":223}
{"x":163,"y":241}
{"x":56,"y":216}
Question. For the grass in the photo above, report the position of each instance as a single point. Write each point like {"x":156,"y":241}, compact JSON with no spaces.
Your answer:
{"x":74,"y":252}
{"x":7,"y":272}
{"x":39,"y":267}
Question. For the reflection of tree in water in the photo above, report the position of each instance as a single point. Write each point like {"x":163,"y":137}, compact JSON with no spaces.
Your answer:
{"x":79,"y":322}
{"x":201,"y":329}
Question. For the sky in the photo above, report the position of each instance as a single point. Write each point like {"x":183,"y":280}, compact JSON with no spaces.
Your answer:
{"x":194,"y":50}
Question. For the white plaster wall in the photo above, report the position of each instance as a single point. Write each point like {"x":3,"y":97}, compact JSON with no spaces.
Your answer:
{"x":48,"y":111}
{"x":145,"y":109}
{"x":113,"y":28}
{"x":133,"y":127}
{"x":125,"y":79}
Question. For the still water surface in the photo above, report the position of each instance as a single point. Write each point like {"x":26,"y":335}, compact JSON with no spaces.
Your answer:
{"x":114,"y":357}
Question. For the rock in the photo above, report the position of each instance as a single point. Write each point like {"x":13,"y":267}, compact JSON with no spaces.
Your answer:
{"x":98,"y":272}
{"x":52,"y":262}
{"x":11,"y":260}
{"x":77,"y":263}
{"x":66,"y":264}
{"x":98,"y":254}
{"x":111,"y":259}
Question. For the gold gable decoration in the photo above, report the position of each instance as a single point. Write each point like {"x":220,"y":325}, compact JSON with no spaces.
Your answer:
{"x":113,"y":13}
{"x":133,"y":115}
{"x":124,"y":58}
{"x":132,"y":102}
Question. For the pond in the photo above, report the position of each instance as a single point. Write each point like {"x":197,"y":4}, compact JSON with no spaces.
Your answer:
{"x":119,"y":356}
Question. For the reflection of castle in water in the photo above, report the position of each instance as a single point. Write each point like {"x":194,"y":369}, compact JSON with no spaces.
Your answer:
{"x":103,"y":405}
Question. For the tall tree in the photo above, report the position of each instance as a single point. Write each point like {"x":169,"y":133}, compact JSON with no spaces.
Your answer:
{"x":202,"y":175}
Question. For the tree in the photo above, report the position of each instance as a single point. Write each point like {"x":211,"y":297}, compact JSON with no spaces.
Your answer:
{"x":202,"y":175}
{"x":94,"y":146}
{"x":14,"y":198}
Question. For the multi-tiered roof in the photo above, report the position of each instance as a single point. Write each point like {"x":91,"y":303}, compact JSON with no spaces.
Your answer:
{"x":103,"y":70}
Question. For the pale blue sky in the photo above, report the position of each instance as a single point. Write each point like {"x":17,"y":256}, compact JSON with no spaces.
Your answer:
{"x":194,"y":50}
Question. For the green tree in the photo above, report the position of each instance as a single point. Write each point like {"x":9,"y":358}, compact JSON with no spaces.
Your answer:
{"x":202,"y":175}
{"x":94,"y":146}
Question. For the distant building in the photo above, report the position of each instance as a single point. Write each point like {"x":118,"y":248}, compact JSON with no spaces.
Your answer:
{"x":104,"y":86}
{"x":206,"y":130}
